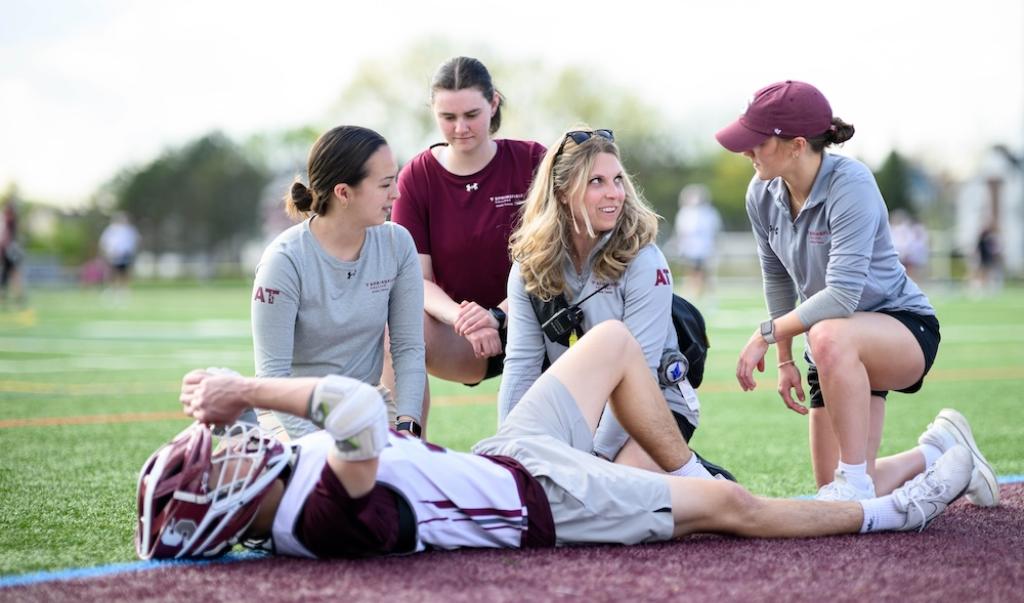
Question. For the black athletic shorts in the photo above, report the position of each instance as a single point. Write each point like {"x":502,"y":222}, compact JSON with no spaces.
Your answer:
{"x":924,"y":328}
{"x":495,"y":364}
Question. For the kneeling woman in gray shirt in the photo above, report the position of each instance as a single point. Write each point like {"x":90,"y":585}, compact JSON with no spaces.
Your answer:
{"x":822,"y":235}
{"x":327,"y":287}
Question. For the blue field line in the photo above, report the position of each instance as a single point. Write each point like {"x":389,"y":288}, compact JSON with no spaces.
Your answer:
{"x":120,"y":568}
{"x":138,"y":566}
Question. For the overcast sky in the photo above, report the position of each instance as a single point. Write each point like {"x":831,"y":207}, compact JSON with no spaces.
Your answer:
{"x":87,"y":87}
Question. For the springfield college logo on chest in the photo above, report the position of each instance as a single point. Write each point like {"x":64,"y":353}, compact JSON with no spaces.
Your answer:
{"x":818,"y":237}
{"x":381,"y":285}
{"x":508,"y":200}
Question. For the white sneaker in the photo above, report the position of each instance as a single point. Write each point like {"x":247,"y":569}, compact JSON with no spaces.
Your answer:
{"x":842,"y":489}
{"x":926,"y":496}
{"x":951,"y":426}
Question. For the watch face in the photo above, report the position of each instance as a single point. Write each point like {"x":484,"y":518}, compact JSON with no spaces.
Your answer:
{"x":766,"y":327}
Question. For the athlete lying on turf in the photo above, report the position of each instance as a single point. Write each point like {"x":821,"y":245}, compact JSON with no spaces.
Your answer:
{"x":358,"y":489}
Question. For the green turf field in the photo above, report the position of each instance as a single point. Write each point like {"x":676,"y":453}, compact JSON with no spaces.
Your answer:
{"x":88,"y":389}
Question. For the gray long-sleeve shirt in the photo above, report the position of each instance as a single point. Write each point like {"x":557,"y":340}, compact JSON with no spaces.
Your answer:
{"x":641,"y":298}
{"x":315,"y":315}
{"x":837,"y":251}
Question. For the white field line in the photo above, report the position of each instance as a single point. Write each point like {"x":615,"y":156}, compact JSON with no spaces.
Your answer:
{"x":240,"y":359}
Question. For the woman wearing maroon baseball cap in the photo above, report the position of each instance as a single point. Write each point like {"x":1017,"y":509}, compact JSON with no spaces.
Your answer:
{"x":831,"y":272}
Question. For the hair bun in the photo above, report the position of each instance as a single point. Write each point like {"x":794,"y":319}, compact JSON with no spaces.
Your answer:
{"x":301,"y":196}
{"x":839,"y":132}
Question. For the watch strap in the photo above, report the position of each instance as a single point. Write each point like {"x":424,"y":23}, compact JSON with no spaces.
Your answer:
{"x":411,"y":426}
{"x":500,"y":316}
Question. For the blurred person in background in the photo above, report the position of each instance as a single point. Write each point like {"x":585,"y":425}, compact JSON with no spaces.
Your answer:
{"x":823,"y":239}
{"x":328,"y":287}
{"x":697,"y":225}
{"x":460,"y":200}
{"x":910,"y":238}
{"x":119,"y":244}
{"x":587,"y":239}
{"x":11,"y":256}
{"x":988,"y":261}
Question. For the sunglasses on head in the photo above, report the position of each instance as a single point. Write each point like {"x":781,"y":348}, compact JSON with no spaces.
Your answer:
{"x":582,"y":136}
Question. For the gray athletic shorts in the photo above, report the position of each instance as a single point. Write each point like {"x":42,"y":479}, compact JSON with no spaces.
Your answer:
{"x":592,"y":500}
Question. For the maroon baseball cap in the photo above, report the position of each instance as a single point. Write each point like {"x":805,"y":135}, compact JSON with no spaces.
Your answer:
{"x":788,"y":109}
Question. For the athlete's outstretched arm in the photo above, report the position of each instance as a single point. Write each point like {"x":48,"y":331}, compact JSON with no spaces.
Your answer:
{"x":351,"y":411}
{"x":219,"y":398}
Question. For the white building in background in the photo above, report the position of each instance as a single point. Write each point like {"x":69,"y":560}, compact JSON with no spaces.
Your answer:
{"x":994,"y":193}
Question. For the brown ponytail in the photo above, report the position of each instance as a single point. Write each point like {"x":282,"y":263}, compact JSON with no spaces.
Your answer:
{"x":838,"y":133}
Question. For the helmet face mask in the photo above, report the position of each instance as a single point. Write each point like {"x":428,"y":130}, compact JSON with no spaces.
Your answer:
{"x":194,"y":502}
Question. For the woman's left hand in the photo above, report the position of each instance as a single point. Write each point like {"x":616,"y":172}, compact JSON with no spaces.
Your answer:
{"x":486,"y":342}
{"x":752,"y":356}
{"x":473,"y":316}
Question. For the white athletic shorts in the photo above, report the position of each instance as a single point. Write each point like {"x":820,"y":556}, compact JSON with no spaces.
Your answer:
{"x":592,"y":500}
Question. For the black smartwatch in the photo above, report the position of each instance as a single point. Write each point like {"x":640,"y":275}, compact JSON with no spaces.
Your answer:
{"x":768,"y":331}
{"x":411,"y":426}
{"x":499,"y":315}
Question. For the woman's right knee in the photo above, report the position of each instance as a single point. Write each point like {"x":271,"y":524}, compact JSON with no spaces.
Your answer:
{"x":615,"y":337}
{"x":826,"y":341}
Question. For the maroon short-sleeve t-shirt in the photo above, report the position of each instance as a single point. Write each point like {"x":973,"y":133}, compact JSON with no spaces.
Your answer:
{"x":463,"y":222}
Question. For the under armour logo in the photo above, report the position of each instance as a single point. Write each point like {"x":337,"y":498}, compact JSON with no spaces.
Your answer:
{"x":778,"y":131}
{"x":351,"y":273}
{"x":472,"y":187}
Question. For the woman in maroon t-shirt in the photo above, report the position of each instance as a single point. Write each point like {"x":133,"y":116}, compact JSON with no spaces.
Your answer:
{"x":460,"y":199}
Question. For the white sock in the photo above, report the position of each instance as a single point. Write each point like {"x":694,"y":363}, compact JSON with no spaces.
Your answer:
{"x":857,"y":475}
{"x":930,"y":453}
{"x":692,"y":468}
{"x":881,"y":514}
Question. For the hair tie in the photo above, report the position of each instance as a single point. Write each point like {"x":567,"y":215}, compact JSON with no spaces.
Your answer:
{"x":832,"y":128}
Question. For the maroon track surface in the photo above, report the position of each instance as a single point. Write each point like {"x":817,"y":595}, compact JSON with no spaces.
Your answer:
{"x":967,"y":554}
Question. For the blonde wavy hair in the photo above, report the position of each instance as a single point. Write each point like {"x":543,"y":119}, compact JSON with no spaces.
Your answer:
{"x":543,"y":240}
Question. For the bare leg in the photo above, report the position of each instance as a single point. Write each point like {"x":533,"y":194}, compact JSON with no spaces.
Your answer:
{"x":449,"y":356}
{"x":887,"y":473}
{"x":824,"y":446}
{"x":891,"y":472}
{"x":725,"y":507}
{"x":633,"y":455}
{"x":876,"y":421}
{"x":854,"y":355}
{"x":626,"y":383}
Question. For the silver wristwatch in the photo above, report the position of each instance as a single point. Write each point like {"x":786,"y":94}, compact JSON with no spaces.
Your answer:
{"x":768,"y":331}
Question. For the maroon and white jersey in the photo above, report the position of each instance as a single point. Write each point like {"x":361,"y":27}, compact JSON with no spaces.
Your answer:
{"x":457,"y":500}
